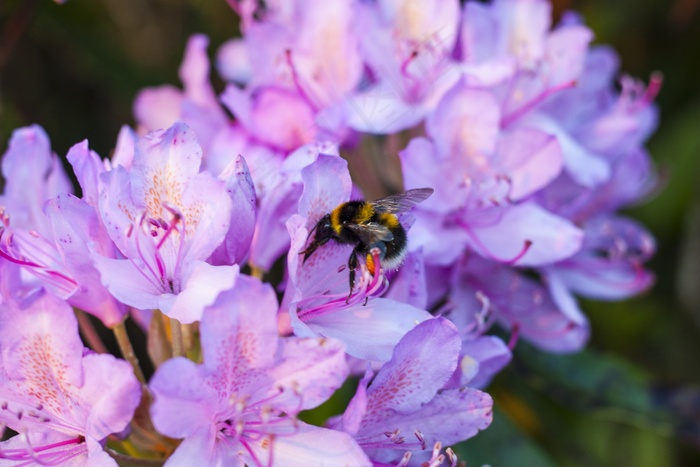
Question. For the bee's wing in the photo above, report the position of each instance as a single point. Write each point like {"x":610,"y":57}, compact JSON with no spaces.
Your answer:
{"x":371,"y":232}
{"x":402,"y":201}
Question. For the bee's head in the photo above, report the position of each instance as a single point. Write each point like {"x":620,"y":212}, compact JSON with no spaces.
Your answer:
{"x":323,"y":231}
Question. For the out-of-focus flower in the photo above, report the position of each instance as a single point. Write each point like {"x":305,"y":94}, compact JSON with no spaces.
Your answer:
{"x":197,"y":104}
{"x":407,"y":47}
{"x":166,"y":218}
{"x":240,"y":406}
{"x":62,"y":399}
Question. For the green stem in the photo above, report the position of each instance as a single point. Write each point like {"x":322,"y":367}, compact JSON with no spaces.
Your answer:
{"x":176,"y":332}
{"x":89,"y":332}
{"x":127,"y":350}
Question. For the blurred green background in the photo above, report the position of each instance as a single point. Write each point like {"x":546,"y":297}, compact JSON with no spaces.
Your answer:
{"x":631,"y":399}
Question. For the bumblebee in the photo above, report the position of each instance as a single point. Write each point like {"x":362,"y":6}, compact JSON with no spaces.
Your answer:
{"x":368,"y":225}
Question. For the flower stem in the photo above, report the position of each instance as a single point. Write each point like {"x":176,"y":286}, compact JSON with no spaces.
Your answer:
{"x":89,"y":332}
{"x":176,"y":333}
{"x":127,"y":350}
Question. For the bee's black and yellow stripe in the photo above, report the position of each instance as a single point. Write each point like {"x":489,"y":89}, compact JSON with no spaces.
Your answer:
{"x":363,"y":213}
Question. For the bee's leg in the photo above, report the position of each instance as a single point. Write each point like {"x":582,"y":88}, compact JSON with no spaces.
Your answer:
{"x":352,"y":266}
{"x":312,"y":247}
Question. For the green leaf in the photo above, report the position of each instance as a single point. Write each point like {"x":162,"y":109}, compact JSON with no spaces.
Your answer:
{"x":502,"y":444}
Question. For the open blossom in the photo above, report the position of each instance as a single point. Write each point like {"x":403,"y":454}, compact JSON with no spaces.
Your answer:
{"x":298,"y":61}
{"x":61,"y":398}
{"x":239,"y":406}
{"x":405,"y":407}
{"x":317,"y":296}
{"x":46,"y":230}
{"x":166,"y":218}
{"x":407,"y":46}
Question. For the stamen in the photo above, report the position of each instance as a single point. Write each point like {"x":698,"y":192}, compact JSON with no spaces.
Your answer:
{"x":183,"y":234}
{"x":297,"y":81}
{"x":526,"y":246}
{"x":407,"y":62}
{"x":516,"y":114}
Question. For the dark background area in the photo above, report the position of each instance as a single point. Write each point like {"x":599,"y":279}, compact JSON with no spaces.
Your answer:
{"x":631,"y":399}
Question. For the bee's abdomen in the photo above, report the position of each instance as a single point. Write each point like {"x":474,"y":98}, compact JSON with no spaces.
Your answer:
{"x":396,"y":248}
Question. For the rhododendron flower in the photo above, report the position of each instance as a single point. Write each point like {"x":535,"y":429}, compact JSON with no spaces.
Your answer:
{"x":46,"y":230}
{"x":61,"y":398}
{"x":405,"y":407}
{"x":239,"y":406}
{"x":166,"y":218}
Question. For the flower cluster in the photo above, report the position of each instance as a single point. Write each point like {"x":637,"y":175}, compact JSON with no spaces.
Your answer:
{"x":515,"y":125}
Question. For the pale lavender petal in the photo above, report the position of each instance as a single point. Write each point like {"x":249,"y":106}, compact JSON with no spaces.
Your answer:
{"x":239,"y":331}
{"x":566,"y":50}
{"x":41,"y":348}
{"x":372,"y":331}
{"x":199,"y":448}
{"x":551,"y":238}
{"x":183,"y":403}
{"x":547,"y":316}
{"x":442,"y":244}
{"x":482,"y":358}
{"x":454,"y":415}
{"x":233,"y":61}
{"x":408,"y":285}
{"x":164,"y":160}
{"x":77,"y":230}
{"x":117,"y":209}
{"x":381,"y":110}
{"x":207,"y":210}
{"x":159,"y":107}
{"x":478,"y":33}
{"x":586,"y":168}
{"x":422,"y":362}
{"x":112,"y":390}
{"x":423,"y":166}
{"x":241,"y":190}
{"x":194,"y":73}
{"x":128,"y":281}
{"x":466,"y":123}
{"x":310,"y":368}
{"x":202,"y":285}
{"x":275,"y":116}
{"x":97,"y":456}
{"x":32,"y":174}
{"x":524,"y":25}
{"x":124,"y":150}
{"x":314,"y":446}
{"x":326,"y":184}
{"x":351,"y":420}
{"x":87,"y":166}
{"x":530,"y":158}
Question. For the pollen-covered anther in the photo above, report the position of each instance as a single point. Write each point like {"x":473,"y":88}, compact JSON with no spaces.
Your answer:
{"x":532,"y":103}
{"x":421,"y":438}
{"x":405,"y":459}
{"x":452,"y":457}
